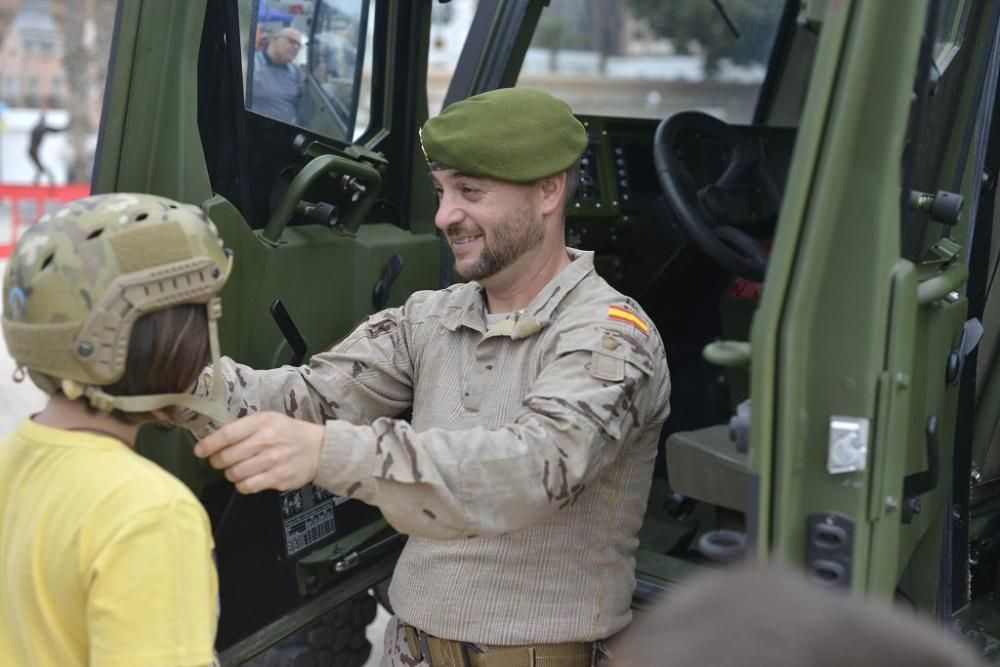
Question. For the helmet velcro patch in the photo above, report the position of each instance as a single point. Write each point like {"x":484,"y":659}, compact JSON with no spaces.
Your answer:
{"x":41,"y":347}
{"x":152,"y":244}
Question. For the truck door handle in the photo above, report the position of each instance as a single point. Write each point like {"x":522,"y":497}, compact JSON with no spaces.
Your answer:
{"x":972,"y":333}
{"x":291,"y":332}
{"x":380,"y":293}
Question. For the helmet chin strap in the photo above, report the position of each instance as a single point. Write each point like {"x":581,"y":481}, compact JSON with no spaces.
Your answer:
{"x":213,"y":407}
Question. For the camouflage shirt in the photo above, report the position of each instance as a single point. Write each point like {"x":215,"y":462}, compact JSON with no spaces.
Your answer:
{"x":523,"y":474}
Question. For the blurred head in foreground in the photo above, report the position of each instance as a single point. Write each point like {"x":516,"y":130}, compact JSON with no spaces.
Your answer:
{"x":766,"y":616}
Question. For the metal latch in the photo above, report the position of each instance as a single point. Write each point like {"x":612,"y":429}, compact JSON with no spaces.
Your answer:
{"x":847,"y":450}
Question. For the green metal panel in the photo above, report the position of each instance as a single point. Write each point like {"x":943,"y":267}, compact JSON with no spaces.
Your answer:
{"x":325,"y":279}
{"x":819,"y":338}
{"x":149,"y":138}
{"x":765,"y":330}
{"x":911,"y":390}
{"x":892,"y":428}
{"x":938,"y":330}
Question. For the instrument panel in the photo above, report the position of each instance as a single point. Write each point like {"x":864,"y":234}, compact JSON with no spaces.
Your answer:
{"x":617,"y":175}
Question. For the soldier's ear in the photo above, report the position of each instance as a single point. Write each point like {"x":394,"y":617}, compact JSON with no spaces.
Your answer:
{"x":553,"y":188}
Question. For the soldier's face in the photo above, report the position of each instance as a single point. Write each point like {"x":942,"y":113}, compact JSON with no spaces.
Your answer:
{"x":489,"y":224}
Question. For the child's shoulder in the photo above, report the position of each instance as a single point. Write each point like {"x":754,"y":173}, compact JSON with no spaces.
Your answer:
{"x":135,"y":484}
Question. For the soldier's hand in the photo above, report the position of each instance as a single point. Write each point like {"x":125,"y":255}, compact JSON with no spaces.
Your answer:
{"x":267,"y":450}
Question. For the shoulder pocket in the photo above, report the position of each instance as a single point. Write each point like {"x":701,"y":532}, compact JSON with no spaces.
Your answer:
{"x":609,"y":350}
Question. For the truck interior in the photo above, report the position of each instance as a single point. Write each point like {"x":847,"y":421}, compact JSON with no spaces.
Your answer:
{"x":680,"y":194}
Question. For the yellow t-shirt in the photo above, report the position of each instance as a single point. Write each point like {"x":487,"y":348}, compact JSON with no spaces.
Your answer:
{"x":105,"y":558}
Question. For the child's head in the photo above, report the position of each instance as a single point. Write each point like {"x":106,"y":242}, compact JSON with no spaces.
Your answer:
{"x":753,"y":615}
{"x":114,"y":298}
{"x":166,"y":352}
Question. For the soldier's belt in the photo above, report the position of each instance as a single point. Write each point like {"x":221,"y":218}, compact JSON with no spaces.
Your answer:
{"x":447,"y":653}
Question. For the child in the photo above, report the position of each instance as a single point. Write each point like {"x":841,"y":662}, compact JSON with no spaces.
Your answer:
{"x":110,"y":306}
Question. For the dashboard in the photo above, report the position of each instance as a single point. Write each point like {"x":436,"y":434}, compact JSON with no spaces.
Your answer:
{"x":619,"y":210}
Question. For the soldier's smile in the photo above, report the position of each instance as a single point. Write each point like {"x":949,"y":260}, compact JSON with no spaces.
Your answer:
{"x":463,"y":242}
{"x":462,"y":239}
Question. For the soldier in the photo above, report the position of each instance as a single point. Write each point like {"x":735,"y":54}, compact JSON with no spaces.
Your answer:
{"x":537,"y":394}
{"x":750,"y":615}
{"x":110,"y":306}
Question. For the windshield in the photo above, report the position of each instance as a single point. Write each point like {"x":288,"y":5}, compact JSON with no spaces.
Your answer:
{"x":648,"y":58}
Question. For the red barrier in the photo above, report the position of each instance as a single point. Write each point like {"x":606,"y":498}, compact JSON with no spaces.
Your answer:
{"x":15,"y":199}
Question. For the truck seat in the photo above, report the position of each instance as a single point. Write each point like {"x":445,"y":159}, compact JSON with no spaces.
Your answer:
{"x":705,"y":465}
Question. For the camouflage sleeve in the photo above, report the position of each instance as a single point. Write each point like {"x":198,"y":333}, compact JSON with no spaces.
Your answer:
{"x":585,"y":405}
{"x":364,"y":376}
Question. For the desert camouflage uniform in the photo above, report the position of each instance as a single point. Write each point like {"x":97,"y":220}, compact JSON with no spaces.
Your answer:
{"x":395,"y":650}
{"x":523,"y":474}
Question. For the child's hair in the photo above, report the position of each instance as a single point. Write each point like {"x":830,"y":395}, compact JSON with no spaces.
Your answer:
{"x":166,"y":352}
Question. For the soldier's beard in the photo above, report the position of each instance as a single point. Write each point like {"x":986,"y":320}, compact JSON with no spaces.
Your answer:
{"x":510,"y":239}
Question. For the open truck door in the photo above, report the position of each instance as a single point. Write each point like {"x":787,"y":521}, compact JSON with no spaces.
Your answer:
{"x":862,"y":333}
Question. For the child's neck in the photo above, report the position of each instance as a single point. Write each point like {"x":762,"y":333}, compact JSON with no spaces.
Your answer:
{"x":60,"y":412}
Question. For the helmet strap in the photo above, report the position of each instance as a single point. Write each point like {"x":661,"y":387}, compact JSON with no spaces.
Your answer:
{"x":71,"y":389}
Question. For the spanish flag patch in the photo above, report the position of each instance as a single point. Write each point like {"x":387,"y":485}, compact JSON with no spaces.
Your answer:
{"x":626,"y":315}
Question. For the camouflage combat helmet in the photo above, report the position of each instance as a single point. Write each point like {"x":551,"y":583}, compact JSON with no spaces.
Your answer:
{"x":79,"y":278}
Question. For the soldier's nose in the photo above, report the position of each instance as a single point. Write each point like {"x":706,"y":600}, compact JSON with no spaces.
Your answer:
{"x":446,"y":215}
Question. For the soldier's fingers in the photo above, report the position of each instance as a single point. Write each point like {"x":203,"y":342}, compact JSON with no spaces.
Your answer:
{"x":254,"y":465}
{"x":257,"y":445}
{"x":230,"y":434}
{"x":255,"y":484}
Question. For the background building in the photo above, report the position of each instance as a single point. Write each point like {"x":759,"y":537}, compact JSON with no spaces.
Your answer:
{"x":31,"y":57}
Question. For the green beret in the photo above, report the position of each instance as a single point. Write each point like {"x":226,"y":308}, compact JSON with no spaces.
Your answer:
{"x":511,"y":134}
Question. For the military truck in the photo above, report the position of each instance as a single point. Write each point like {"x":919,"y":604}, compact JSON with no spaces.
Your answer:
{"x":801,"y":194}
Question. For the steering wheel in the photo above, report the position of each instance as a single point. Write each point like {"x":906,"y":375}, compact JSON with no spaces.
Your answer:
{"x":711,"y":215}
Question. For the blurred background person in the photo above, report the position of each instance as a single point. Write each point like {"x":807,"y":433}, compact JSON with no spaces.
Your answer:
{"x":278,"y":83}
{"x":38,"y":132}
{"x":749,"y":615}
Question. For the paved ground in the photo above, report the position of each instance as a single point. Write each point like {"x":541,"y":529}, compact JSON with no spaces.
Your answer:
{"x":19,"y":400}
{"x":375,"y":633}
